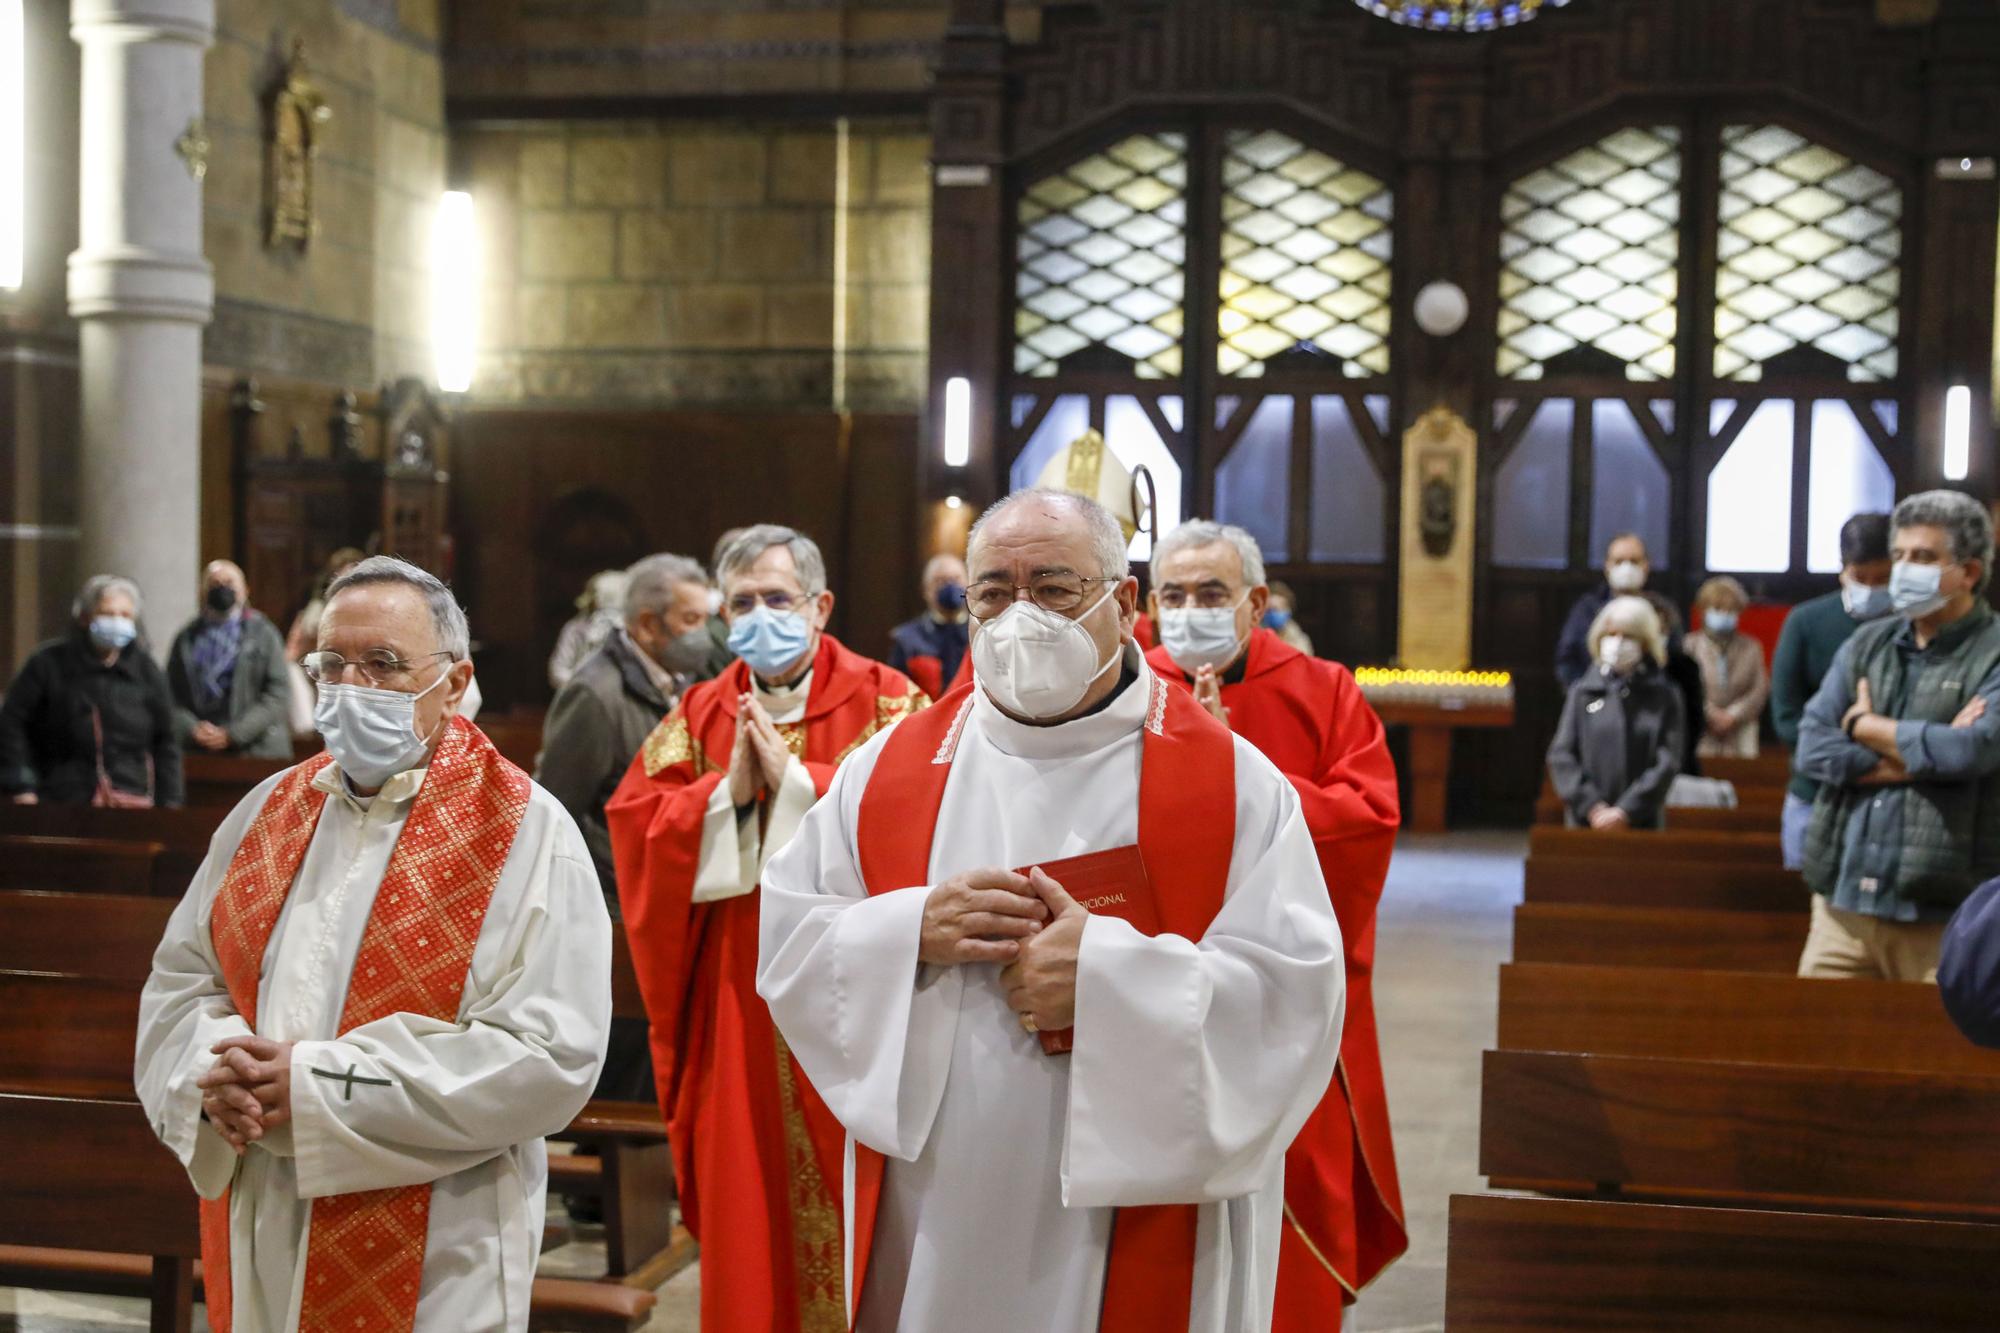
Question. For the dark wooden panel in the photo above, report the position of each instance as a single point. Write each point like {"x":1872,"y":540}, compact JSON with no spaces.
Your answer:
{"x":97,"y":1179}
{"x":1523,"y":1265}
{"x":1697,"y":884}
{"x":67,"y":1034}
{"x":1759,"y":849}
{"x":542,"y":499}
{"x":83,"y":865}
{"x":106,"y":936}
{"x":1671,"y":1013}
{"x":1711,"y":1131}
{"x":1649,"y":937}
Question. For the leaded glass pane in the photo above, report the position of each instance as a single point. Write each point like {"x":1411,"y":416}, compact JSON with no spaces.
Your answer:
{"x":1629,"y":489}
{"x":1808,"y":253}
{"x":1848,"y":476}
{"x":1750,"y":492}
{"x":1100,"y":256}
{"x":1305,"y":256}
{"x":1531,"y":492}
{"x":1253,"y":484}
{"x":1590,"y":251}
{"x":1346,"y":517}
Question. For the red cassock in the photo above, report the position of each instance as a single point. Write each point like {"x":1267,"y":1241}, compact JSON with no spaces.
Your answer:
{"x":1343,"y":1207}
{"x":757,"y":1156}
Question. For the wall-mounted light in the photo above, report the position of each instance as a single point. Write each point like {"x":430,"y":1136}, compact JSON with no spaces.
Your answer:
{"x":455,"y":291}
{"x":952,"y":502}
{"x":1957,"y":432}
{"x":13,"y":144}
{"x":957,"y":421}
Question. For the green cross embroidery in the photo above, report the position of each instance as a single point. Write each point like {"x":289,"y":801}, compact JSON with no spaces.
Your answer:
{"x":349,"y":1079}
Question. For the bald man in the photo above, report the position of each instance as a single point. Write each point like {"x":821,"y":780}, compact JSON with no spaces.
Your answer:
{"x":227,"y":674}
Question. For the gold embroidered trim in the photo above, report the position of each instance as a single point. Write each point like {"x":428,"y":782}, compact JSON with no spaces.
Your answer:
{"x":671,"y":743}
{"x":818,"y":1260}
{"x":889,"y":710}
{"x":1292,"y":1221}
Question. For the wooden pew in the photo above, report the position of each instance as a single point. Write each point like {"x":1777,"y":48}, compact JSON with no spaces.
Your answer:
{"x":1724,"y":1132}
{"x":1717,"y":941}
{"x":1526,"y":1265}
{"x":1641,"y":882}
{"x":224,"y":779}
{"x":94,"y":865}
{"x":1770,"y":769}
{"x":1663,"y":845}
{"x":1676,"y":1014}
{"x":183,"y":835}
{"x":107,"y":936}
{"x":1742,"y":819}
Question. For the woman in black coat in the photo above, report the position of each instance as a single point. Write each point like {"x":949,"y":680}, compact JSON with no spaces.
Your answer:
{"x":96,"y":681}
{"x":1624,"y":726}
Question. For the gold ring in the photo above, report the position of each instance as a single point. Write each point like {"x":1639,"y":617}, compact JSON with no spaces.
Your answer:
{"x":1028,"y":1023}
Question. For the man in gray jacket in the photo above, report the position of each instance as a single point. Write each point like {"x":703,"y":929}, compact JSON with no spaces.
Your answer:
{"x":619,"y":694}
{"x":227,"y":674}
{"x":1904,"y":738}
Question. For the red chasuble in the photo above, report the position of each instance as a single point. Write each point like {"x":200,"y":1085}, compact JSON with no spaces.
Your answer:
{"x":1343,"y":1207}
{"x":757,"y":1156}
{"x":365,"y":1251}
{"x":1187,"y":832}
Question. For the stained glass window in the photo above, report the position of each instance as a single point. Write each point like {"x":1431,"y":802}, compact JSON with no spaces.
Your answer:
{"x":1847,"y":477}
{"x":1253,"y":484}
{"x":1807,"y":254}
{"x":1306,"y":245}
{"x":1100,"y":258}
{"x":1346,"y":521}
{"x":1629,"y":484}
{"x":1590,"y":249}
{"x":1750,"y":491}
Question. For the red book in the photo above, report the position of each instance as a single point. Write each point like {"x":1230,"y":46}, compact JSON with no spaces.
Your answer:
{"x":1107,"y":883}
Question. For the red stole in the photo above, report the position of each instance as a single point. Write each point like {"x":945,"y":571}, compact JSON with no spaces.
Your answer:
{"x":757,"y":1156}
{"x":1344,"y":1208}
{"x":365,"y":1251}
{"x":1187,"y":823}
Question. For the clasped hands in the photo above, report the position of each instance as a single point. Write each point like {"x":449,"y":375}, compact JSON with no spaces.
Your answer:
{"x":758,"y":760}
{"x":248,"y":1091}
{"x":1028,"y":922}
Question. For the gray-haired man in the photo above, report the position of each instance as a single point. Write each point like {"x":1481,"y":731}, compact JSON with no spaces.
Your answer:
{"x":1905,"y":740}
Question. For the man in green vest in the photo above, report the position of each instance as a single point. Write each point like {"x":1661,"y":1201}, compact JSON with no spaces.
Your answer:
{"x":1904,"y":738}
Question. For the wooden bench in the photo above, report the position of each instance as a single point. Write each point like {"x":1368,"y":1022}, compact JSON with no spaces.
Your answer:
{"x":1701,"y":847}
{"x":1738,"y":1133}
{"x":108,"y":936}
{"x":1742,"y":819}
{"x":1527,"y":1265}
{"x":1718,"y":941}
{"x":224,"y":779}
{"x":1671,"y":1013}
{"x":1640,"y":882}
{"x":93,"y":865}
{"x":1770,"y":769}
{"x":183,"y":836}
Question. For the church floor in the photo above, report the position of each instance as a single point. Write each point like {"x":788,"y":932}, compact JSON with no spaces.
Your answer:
{"x":1445,"y":925}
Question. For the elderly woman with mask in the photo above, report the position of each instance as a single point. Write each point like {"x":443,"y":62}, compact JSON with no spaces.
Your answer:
{"x":1620,"y":740}
{"x":1734,"y":682}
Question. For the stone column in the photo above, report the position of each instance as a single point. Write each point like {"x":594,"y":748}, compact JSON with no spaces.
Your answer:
{"x":142,"y":292}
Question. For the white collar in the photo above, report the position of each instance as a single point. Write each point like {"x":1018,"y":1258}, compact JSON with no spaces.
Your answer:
{"x":398,"y":790}
{"x":1125,"y":713}
{"x":783,"y":702}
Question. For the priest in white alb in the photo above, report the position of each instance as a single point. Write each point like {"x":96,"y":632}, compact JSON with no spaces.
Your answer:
{"x":388,"y":981}
{"x":1065,"y":1110}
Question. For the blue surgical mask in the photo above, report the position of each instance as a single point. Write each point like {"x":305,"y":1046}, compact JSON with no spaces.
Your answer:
{"x":951,"y":597}
{"x":113,"y":632}
{"x":1913,"y":589}
{"x":1722,"y":624}
{"x":770,"y":641}
{"x":1865,"y":601}
{"x":1277,"y":618}
{"x":372,"y":733}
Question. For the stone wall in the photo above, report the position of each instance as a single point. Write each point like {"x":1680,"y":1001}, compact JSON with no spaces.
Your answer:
{"x":354,"y":308}
{"x":702,"y":264}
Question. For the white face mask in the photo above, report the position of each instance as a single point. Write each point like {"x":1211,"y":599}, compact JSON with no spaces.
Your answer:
{"x":1201,"y":636}
{"x":1617,"y":654}
{"x":1916,"y":590}
{"x":1864,"y":601}
{"x":1035,"y":663}
{"x":1626,"y":576}
{"x":371,"y":733}
{"x":1722,"y":624}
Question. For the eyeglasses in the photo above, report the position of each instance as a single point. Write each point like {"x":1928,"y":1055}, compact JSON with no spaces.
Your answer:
{"x":1207,"y":598}
{"x":743,"y":603}
{"x":1060,"y":593}
{"x":378,"y":667}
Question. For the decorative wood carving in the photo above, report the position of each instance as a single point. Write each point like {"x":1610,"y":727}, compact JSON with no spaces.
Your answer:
{"x":297,"y":113}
